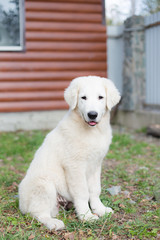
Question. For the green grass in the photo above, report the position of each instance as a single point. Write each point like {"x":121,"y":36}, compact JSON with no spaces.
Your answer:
{"x":132,"y":164}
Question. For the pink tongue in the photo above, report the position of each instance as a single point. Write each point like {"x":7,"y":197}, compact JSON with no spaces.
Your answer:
{"x":92,"y":123}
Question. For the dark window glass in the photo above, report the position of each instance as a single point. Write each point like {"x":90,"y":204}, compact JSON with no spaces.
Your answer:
{"x":11,"y":25}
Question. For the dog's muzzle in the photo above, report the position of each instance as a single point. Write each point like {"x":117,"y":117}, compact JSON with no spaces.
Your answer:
{"x":92,"y":115}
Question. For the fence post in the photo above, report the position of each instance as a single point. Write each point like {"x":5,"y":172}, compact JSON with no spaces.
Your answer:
{"x":134,"y":66}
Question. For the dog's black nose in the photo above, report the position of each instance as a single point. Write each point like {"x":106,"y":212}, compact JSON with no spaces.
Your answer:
{"x":92,"y":115}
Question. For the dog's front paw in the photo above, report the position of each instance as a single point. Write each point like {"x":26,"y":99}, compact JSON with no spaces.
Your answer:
{"x":89,"y":217}
{"x":103,"y":210}
{"x":108,"y":210}
{"x":55,"y":224}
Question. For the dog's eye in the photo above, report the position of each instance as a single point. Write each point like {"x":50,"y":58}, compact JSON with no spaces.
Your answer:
{"x":84,"y":98}
{"x":100,"y":97}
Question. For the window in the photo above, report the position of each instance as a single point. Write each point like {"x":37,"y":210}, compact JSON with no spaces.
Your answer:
{"x":11,"y":25}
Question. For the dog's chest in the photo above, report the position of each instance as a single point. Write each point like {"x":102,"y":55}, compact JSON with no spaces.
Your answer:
{"x":97,"y":148}
{"x":92,"y":147}
{"x":85,"y":144}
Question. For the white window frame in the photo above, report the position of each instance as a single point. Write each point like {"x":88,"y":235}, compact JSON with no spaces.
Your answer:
{"x":21,"y":47}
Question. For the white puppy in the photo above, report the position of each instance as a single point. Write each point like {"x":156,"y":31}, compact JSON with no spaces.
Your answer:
{"x":69,"y":160}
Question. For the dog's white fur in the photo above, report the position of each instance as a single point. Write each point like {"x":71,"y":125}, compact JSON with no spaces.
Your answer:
{"x":69,"y":160}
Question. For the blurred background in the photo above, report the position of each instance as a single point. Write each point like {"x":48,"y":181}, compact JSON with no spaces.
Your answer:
{"x":133,"y":30}
{"x":118,"y":11}
{"x":45,"y":44}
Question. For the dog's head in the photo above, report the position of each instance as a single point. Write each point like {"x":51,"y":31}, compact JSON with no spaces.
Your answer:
{"x":92,"y":96}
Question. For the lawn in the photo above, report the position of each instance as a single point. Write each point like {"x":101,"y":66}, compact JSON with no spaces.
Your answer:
{"x":132,"y":164}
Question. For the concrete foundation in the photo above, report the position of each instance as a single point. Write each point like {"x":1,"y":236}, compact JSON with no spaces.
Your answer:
{"x":10,"y":122}
{"x":30,"y":120}
{"x":137,"y":120}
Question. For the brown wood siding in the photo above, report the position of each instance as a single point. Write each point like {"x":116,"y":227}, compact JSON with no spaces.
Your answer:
{"x":64,"y":39}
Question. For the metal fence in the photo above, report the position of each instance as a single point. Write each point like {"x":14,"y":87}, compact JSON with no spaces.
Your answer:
{"x":152,"y":51}
{"x":115,"y":53}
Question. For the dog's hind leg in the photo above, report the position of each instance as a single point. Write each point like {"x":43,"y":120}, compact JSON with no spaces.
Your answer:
{"x":50,"y":223}
{"x":43,"y":205}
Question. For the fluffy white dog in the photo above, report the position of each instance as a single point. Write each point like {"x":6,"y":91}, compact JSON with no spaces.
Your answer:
{"x":69,"y":161}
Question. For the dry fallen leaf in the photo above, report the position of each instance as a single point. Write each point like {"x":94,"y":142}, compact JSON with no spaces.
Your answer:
{"x":121,"y":205}
{"x":89,"y":232}
{"x":31,"y":237}
{"x":70,"y":236}
{"x":9,"y":228}
{"x":144,"y":200}
{"x":127,"y":226}
{"x":2,"y":229}
{"x":115,"y":237}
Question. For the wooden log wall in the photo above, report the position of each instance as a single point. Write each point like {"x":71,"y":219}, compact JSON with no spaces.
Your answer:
{"x":64,"y":39}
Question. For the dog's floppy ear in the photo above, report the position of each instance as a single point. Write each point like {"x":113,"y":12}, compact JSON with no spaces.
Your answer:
{"x":71,"y":94}
{"x":113,"y":95}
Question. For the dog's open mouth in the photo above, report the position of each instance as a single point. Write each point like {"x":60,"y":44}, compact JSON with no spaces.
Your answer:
{"x":92,"y":123}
